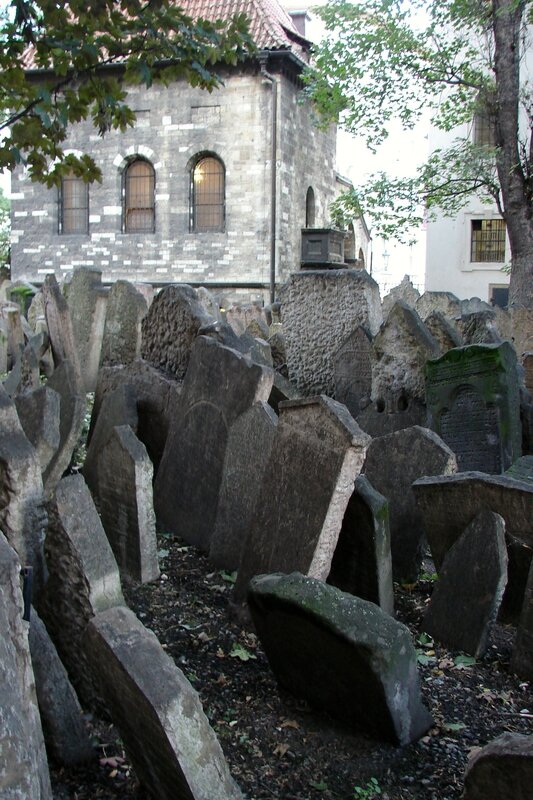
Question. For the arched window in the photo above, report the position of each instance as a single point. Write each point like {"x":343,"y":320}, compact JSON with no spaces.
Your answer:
{"x":310,"y":208}
{"x":74,"y":205}
{"x":208,"y":192}
{"x":139,"y":197}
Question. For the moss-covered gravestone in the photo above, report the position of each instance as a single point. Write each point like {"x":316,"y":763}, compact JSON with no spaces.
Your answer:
{"x":473,"y":404}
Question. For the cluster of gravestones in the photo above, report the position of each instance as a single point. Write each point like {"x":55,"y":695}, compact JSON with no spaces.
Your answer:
{"x":314,"y":449}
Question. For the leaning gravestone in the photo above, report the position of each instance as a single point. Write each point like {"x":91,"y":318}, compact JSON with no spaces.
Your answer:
{"x":317,"y":453}
{"x":166,"y":734}
{"x":522,"y":469}
{"x":126,"y":309}
{"x":522,"y":656}
{"x":474,"y":405}
{"x":468,"y":594}
{"x":362,"y":563}
{"x":72,"y":405}
{"x":126,"y":507}
{"x":60,"y":329}
{"x":445,"y":302}
{"x":250,"y":442}
{"x":220,"y":385}
{"x":392,"y":463}
{"x":502,"y":770}
{"x":528,"y":371}
{"x":87,"y":301}
{"x":39,"y":414}
{"x":404,"y":291}
{"x":444,"y":333}
{"x":344,"y":655}
{"x":24,"y":769}
{"x":352,"y":365}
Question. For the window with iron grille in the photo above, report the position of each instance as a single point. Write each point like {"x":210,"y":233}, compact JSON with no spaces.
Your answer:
{"x":208,"y":192}
{"x":139,"y":197}
{"x":73,"y":205}
{"x":488,"y":240}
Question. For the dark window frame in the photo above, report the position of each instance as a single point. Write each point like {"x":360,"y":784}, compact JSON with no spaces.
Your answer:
{"x":127,"y":208}
{"x":217,"y":207}
{"x":487,"y":241}
{"x":80,"y":212}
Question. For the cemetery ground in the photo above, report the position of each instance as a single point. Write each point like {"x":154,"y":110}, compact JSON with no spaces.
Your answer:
{"x":276,"y":746}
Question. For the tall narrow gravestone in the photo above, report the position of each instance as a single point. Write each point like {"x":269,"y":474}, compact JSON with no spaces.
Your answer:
{"x":352,"y":365}
{"x":473,"y":404}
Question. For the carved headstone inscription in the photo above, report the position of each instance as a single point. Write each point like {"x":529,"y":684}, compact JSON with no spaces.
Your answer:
{"x":474,"y":406}
{"x":353,"y":371}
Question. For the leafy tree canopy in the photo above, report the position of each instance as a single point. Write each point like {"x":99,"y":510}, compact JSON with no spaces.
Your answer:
{"x":83,"y":54}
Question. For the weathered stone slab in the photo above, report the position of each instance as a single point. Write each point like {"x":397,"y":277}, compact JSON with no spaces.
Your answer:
{"x":87,"y":300}
{"x":71,"y":419}
{"x":125,"y":501}
{"x":444,"y":333}
{"x":67,"y":740}
{"x":39,"y":415}
{"x":126,"y":309}
{"x":320,"y":309}
{"x":24,"y":770}
{"x":342,"y":654}
{"x":362,"y":563}
{"x":219,"y":386}
{"x":250,"y":442}
{"x":167,"y":736}
{"x":240,"y":316}
{"x":318,"y":452}
{"x":209,"y":302}
{"x":352,"y":365}
{"x":502,"y":770}
{"x":445,"y":302}
{"x":522,"y":656}
{"x":404,"y":291}
{"x":474,"y":405}
{"x":479,"y":327}
{"x":60,"y":330}
{"x":522,"y":469}
{"x":24,"y":377}
{"x":466,"y":599}
{"x":15,"y":333}
{"x":170,"y":328}
{"x":83,"y":577}
{"x":392,"y":463}
{"x":528,"y":371}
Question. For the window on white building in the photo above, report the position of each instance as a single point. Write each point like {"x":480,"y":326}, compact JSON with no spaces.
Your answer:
{"x":487,"y":243}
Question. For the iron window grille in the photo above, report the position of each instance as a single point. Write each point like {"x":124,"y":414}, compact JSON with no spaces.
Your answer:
{"x":208,"y":192}
{"x":139,"y":197}
{"x":73,"y":205}
{"x":488,"y":241}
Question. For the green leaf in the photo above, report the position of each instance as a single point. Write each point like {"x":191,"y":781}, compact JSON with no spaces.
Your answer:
{"x":240,"y":652}
{"x":453,"y":727}
{"x":464,"y":661}
{"x":230,"y":577}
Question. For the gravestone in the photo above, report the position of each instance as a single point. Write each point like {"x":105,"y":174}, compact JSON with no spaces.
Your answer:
{"x":219,"y":386}
{"x":343,"y":655}
{"x":125,"y":502}
{"x":317,"y":453}
{"x":15,"y":333}
{"x":320,"y":309}
{"x":166,"y":734}
{"x":474,"y":405}
{"x":404,"y":291}
{"x":39,"y":414}
{"x":24,"y":769}
{"x":126,"y":309}
{"x":61,"y":331}
{"x":444,"y":333}
{"x":391,"y":465}
{"x":278,"y":350}
{"x":240,"y":316}
{"x":502,"y":770}
{"x":479,"y":328}
{"x":468,"y":594}
{"x":24,"y":377}
{"x":445,"y":302}
{"x":522,"y":655}
{"x":528,"y":371}
{"x":209,"y":302}
{"x":250,"y":442}
{"x":87,"y":300}
{"x":362,"y":563}
{"x":352,"y":365}
{"x":522,"y":469}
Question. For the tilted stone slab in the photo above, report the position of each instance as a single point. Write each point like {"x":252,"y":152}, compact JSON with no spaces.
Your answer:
{"x":71,"y":418}
{"x":445,"y":302}
{"x":23,"y":767}
{"x":442,"y":330}
{"x":126,"y":309}
{"x":502,"y":770}
{"x":87,"y":302}
{"x":522,"y":469}
{"x":352,"y":364}
{"x":60,"y":329}
{"x":344,"y":655}
{"x":466,"y":598}
{"x":522,"y":656}
{"x":392,"y":463}
{"x":362,"y":563}
{"x":125,"y":501}
{"x":317,"y":454}
{"x":219,"y":386}
{"x":39,"y":413}
{"x":167,"y":736}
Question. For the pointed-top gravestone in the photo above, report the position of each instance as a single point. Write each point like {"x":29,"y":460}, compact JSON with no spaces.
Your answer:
{"x":405,"y":291}
{"x":353,"y":371}
{"x":60,"y":329}
{"x":442,"y":330}
{"x":72,"y":407}
{"x":126,"y":309}
{"x":39,"y":413}
{"x":87,"y":300}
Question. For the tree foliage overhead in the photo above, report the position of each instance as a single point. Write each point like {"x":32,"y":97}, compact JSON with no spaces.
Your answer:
{"x":84,"y":55}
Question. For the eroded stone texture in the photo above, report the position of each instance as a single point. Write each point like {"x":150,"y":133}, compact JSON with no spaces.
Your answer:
{"x":60,"y":330}
{"x":87,"y":300}
{"x":318,"y":452}
{"x":125,"y":501}
{"x":522,"y":656}
{"x":167,"y":736}
{"x":39,"y":414}
{"x":479,"y":328}
{"x":24,"y":377}
{"x":362,"y":563}
{"x":239,"y":317}
{"x":522,"y":469}
{"x":71,"y":418}
{"x":170,"y":328}
{"x":445,"y":302}
{"x":126,"y":309}
{"x":502,"y":770}
{"x":209,"y":302}
{"x":219,"y":386}
{"x":83,"y":577}
{"x":444,"y":333}
{"x":404,"y":291}
{"x":250,"y":442}
{"x":352,"y":365}
{"x":14,"y":331}
{"x":474,"y":405}
{"x":392,"y":463}
{"x":528,"y":371}
{"x":342,"y":654}
{"x":23,"y":767}
{"x":468,"y":594}
{"x":320,"y":309}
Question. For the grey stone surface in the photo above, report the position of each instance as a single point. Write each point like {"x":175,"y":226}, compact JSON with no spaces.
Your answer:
{"x":443,"y":331}
{"x":67,"y":739}
{"x":125,"y":501}
{"x":167,"y":736}
{"x":445,"y":302}
{"x":468,"y":594}
{"x":83,"y":577}
{"x":126,"y":309}
{"x":502,"y":770}
{"x":342,"y":654}
{"x":320,"y":309}
{"x":522,"y":469}
{"x":60,"y":330}
{"x":528,"y":371}
{"x":240,"y":316}
{"x":362,"y":563}
{"x":318,"y":452}
{"x":23,"y":769}
{"x":14,"y":331}
{"x":39,"y":414}
{"x":170,"y":328}
{"x":278,"y":351}
{"x":392,"y":463}
{"x":479,"y":327}
{"x":522,"y":656}
{"x":219,"y":386}
{"x":352,"y":365}
{"x":250,"y":442}
{"x":87,"y":300}
{"x":209,"y":302}
{"x":24,"y":377}
{"x":403,"y":291}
